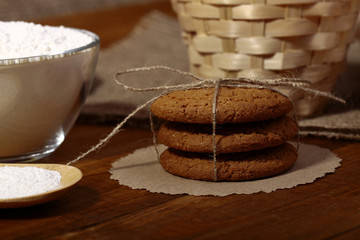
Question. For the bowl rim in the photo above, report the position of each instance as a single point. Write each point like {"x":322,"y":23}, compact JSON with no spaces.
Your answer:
{"x":45,"y":57}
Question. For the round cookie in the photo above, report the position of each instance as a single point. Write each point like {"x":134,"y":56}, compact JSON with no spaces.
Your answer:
{"x":240,"y":137}
{"x":234,"y":105}
{"x":230,"y":167}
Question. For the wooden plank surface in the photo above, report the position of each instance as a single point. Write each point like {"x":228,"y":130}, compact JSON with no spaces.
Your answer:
{"x":100,"y":208}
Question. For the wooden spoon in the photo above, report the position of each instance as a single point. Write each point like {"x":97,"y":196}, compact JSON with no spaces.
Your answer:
{"x":69,"y":177}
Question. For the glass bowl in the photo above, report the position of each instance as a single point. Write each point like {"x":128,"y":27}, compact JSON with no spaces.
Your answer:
{"x":40,"y":99}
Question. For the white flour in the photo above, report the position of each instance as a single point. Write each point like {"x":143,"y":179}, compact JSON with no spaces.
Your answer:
{"x":23,"y":39}
{"x":25,"y":181}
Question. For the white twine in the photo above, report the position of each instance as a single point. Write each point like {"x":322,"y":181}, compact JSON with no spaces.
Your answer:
{"x":296,"y":83}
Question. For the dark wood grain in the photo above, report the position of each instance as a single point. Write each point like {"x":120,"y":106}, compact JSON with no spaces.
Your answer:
{"x":100,"y":208}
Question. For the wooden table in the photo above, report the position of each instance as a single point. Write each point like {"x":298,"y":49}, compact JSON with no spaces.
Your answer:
{"x":100,"y":208}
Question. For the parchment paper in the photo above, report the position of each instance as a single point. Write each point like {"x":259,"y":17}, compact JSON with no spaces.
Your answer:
{"x":141,"y":170}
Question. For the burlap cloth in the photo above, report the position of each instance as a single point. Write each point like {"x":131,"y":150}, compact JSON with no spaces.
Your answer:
{"x":157,"y":41}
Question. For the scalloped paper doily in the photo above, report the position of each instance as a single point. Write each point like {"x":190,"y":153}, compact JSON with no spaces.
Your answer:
{"x":141,"y":170}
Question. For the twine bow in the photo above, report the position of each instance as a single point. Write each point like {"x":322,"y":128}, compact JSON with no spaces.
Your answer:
{"x":290,"y":82}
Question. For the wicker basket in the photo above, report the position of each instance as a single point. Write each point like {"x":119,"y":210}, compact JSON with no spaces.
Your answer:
{"x":257,"y":38}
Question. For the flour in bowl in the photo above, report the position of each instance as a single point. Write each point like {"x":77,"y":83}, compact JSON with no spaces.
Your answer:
{"x":18,"y":182}
{"x":23,"y":39}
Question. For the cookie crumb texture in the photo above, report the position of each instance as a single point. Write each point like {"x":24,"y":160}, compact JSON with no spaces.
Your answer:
{"x":234,"y":105}
{"x":230,"y":138}
{"x":230,"y":167}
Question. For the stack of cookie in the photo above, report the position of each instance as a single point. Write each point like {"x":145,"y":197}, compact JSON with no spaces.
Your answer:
{"x":252,"y":130}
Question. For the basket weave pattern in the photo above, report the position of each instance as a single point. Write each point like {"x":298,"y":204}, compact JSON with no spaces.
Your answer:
{"x":239,"y":38}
